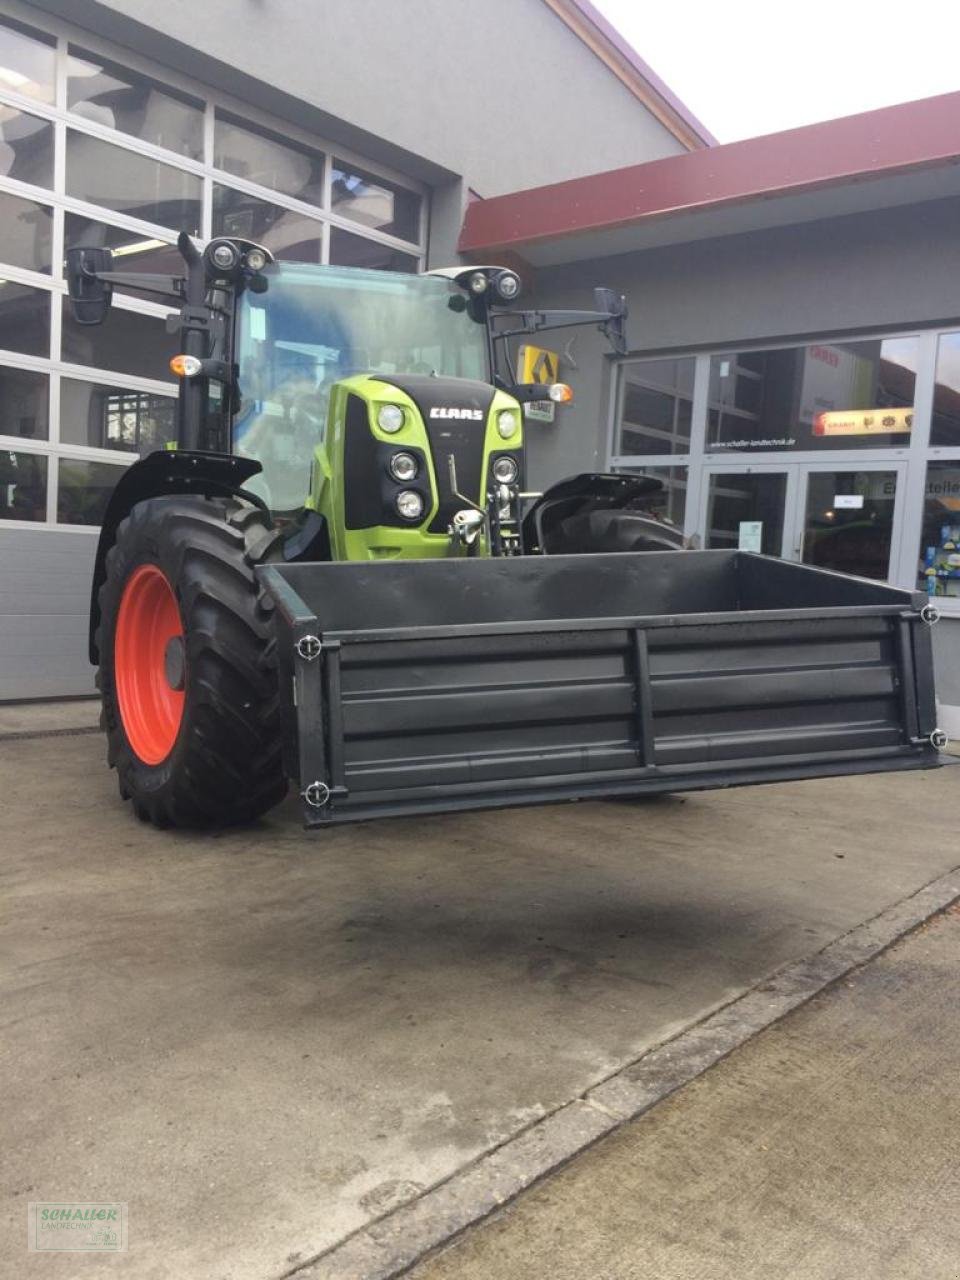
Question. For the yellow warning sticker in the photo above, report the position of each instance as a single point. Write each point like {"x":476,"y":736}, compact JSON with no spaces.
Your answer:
{"x":539,"y":365}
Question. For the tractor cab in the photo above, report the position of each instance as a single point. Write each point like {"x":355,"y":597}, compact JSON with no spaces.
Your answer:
{"x":315,"y":328}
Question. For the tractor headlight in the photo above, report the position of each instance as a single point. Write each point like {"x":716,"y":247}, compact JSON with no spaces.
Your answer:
{"x":409,"y":504}
{"x":403,"y":467}
{"x":224,"y":255}
{"x":256,"y":259}
{"x":390,"y":418}
{"x":505,"y":470}
{"x":508,"y":285}
{"x":478,"y":282}
{"x":507,"y":423}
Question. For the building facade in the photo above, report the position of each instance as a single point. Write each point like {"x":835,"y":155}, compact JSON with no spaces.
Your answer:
{"x":794,"y":366}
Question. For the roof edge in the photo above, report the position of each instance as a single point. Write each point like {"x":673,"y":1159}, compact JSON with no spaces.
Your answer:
{"x":620,"y":57}
{"x":886,"y":141}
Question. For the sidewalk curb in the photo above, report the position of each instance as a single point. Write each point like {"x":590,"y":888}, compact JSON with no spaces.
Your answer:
{"x":393,"y":1244}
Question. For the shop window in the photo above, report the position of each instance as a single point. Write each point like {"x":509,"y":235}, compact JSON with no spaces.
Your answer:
{"x":369,"y":200}
{"x":671,"y":502}
{"x":24,"y":399}
{"x":131,"y":103}
{"x":109,"y":417}
{"x":854,"y":395}
{"x":127,"y":342}
{"x":23,"y":486}
{"x":24,"y":319}
{"x":655,"y":407}
{"x":263,"y":158}
{"x":347,"y":250}
{"x":945,"y":426}
{"x":291,"y":237}
{"x":84,"y":489}
{"x":26,"y":147}
{"x":940,"y":538}
{"x":132,"y":184}
{"x":132,"y":250}
{"x":26,"y":233}
{"x":27,"y":61}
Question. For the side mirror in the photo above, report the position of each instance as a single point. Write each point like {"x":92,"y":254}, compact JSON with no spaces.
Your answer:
{"x":90,"y":296}
{"x":614,"y":305}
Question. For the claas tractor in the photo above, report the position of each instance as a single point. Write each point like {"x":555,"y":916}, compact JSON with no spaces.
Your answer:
{"x":336,"y":576}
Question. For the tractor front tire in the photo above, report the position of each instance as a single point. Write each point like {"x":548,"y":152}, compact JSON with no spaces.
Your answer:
{"x":188,"y":672}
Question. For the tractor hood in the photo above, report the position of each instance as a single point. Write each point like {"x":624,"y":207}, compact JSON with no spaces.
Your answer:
{"x":454,"y":413}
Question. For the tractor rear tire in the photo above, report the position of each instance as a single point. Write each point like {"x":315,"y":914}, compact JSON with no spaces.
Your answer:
{"x":188,"y":669}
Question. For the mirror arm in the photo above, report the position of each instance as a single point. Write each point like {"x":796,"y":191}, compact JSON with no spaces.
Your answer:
{"x":168,"y":286}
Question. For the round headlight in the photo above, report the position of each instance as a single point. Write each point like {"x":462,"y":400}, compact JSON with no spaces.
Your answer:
{"x":505,"y":470}
{"x":508,"y":285}
{"x":507,"y":423}
{"x":390,"y":418}
{"x":478,"y":282}
{"x":403,"y":466}
{"x":410,"y":504}
{"x":256,"y":259}
{"x":224,"y":256}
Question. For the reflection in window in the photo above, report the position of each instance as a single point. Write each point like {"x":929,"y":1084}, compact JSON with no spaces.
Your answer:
{"x":290,"y":237}
{"x":108,"y":417}
{"x":24,"y":397}
{"x":24,"y":319}
{"x":125,"y":100}
{"x":23,"y":486}
{"x":132,"y":184}
{"x":823,"y":396}
{"x":26,"y":230}
{"x":269,"y":161}
{"x":126,"y":342}
{"x":739,"y":502}
{"x":84,"y":489}
{"x":26,"y":147}
{"x":671,"y":502}
{"x":27,"y":61}
{"x":940,"y":538}
{"x":945,"y":426}
{"x":361,"y":197}
{"x":655,"y":407}
{"x":347,"y":250}
{"x":132,"y":250}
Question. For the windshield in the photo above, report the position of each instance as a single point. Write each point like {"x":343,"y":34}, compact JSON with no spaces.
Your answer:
{"x":316,"y":325}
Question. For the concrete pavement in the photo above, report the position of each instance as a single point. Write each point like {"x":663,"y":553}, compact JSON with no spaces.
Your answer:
{"x":263,"y":1040}
{"x":825,"y":1149}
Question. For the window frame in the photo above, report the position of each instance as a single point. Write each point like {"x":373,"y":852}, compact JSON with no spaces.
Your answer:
{"x":914,"y":456}
{"x":63,"y":34}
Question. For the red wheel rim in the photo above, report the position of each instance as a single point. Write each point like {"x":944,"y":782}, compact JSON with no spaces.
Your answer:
{"x":150,"y":708}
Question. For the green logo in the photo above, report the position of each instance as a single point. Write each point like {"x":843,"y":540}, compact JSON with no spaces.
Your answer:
{"x":76,"y":1226}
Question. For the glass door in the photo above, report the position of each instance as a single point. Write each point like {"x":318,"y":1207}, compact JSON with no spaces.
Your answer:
{"x":850,"y":517}
{"x":749,"y":508}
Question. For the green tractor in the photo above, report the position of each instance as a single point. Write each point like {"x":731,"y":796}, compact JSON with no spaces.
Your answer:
{"x":325,"y":415}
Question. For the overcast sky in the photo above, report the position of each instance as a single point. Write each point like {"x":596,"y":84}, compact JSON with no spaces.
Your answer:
{"x":747,"y":67}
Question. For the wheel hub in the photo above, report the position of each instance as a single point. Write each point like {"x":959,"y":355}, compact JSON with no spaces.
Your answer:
{"x":150,"y":664}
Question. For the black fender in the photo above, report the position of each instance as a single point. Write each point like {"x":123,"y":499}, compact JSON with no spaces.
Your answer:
{"x":598,"y":511}
{"x":212,"y":475}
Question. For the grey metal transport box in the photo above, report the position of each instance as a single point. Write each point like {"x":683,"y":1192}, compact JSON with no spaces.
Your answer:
{"x":568,"y":677}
